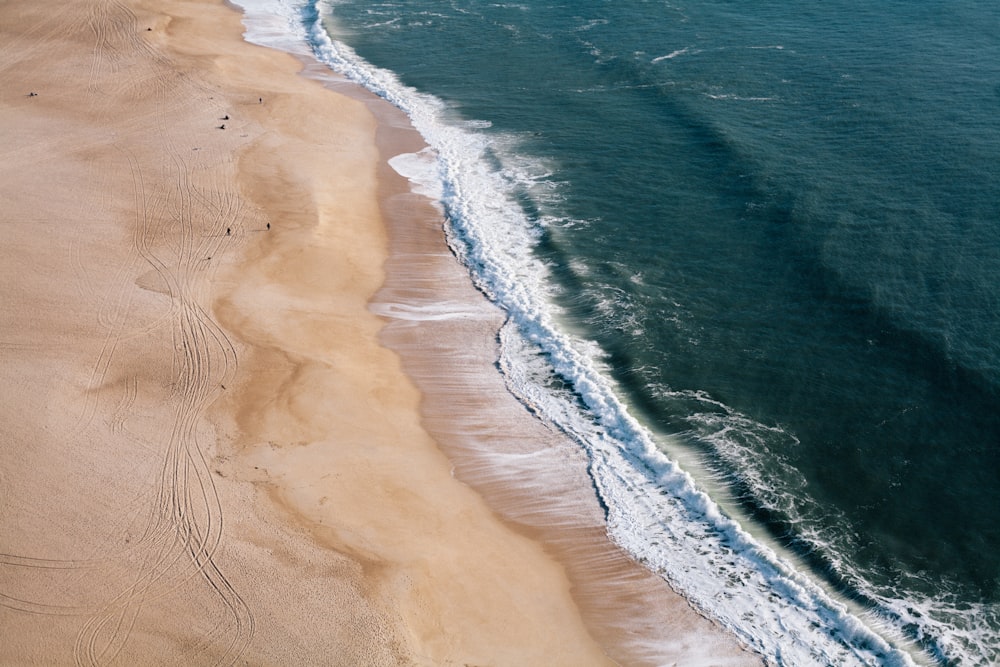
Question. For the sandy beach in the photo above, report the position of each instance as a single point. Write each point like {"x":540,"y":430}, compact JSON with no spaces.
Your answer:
{"x":229,"y":431}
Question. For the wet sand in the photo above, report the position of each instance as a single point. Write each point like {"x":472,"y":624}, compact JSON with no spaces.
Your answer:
{"x":213,"y":448}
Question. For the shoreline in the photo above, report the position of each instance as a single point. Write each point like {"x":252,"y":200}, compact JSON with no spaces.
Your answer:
{"x":533,"y":477}
{"x":223,"y":463}
{"x":446,"y":334}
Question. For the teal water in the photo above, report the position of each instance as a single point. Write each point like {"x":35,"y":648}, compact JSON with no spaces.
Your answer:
{"x":777,"y":230}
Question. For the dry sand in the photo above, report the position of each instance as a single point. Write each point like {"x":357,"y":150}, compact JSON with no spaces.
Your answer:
{"x":211,"y":447}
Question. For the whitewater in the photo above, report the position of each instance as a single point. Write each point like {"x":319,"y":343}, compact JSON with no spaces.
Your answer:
{"x":654,"y":509}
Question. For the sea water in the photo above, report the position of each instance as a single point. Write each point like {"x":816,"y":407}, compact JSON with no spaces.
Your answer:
{"x":750,"y":255}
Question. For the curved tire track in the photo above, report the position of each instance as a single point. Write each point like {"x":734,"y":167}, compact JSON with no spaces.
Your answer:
{"x":175,"y":227}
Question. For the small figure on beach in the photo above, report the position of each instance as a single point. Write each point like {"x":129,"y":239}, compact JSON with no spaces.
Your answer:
{"x":32,"y":94}
{"x":260,"y":100}
{"x":222,"y":127}
{"x":228,"y":231}
{"x":269,"y":226}
{"x":226,"y":117}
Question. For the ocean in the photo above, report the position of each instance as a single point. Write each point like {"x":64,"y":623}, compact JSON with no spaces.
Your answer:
{"x":749,"y":253}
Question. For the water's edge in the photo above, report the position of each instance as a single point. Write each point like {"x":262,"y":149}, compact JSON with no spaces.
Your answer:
{"x":672,"y":532}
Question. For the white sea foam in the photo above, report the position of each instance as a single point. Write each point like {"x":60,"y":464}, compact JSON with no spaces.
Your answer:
{"x":421,"y":170}
{"x":739,"y":98}
{"x":654,"y":509}
{"x":438,"y":310}
{"x":671,"y":55}
{"x":276,"y":24}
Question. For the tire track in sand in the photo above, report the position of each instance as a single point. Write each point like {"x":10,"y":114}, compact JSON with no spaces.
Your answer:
{"x":175,"y":226}
{"x":187,"y":505}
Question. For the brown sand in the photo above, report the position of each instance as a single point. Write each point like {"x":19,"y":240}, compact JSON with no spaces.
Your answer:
{"x":206,"y":455}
